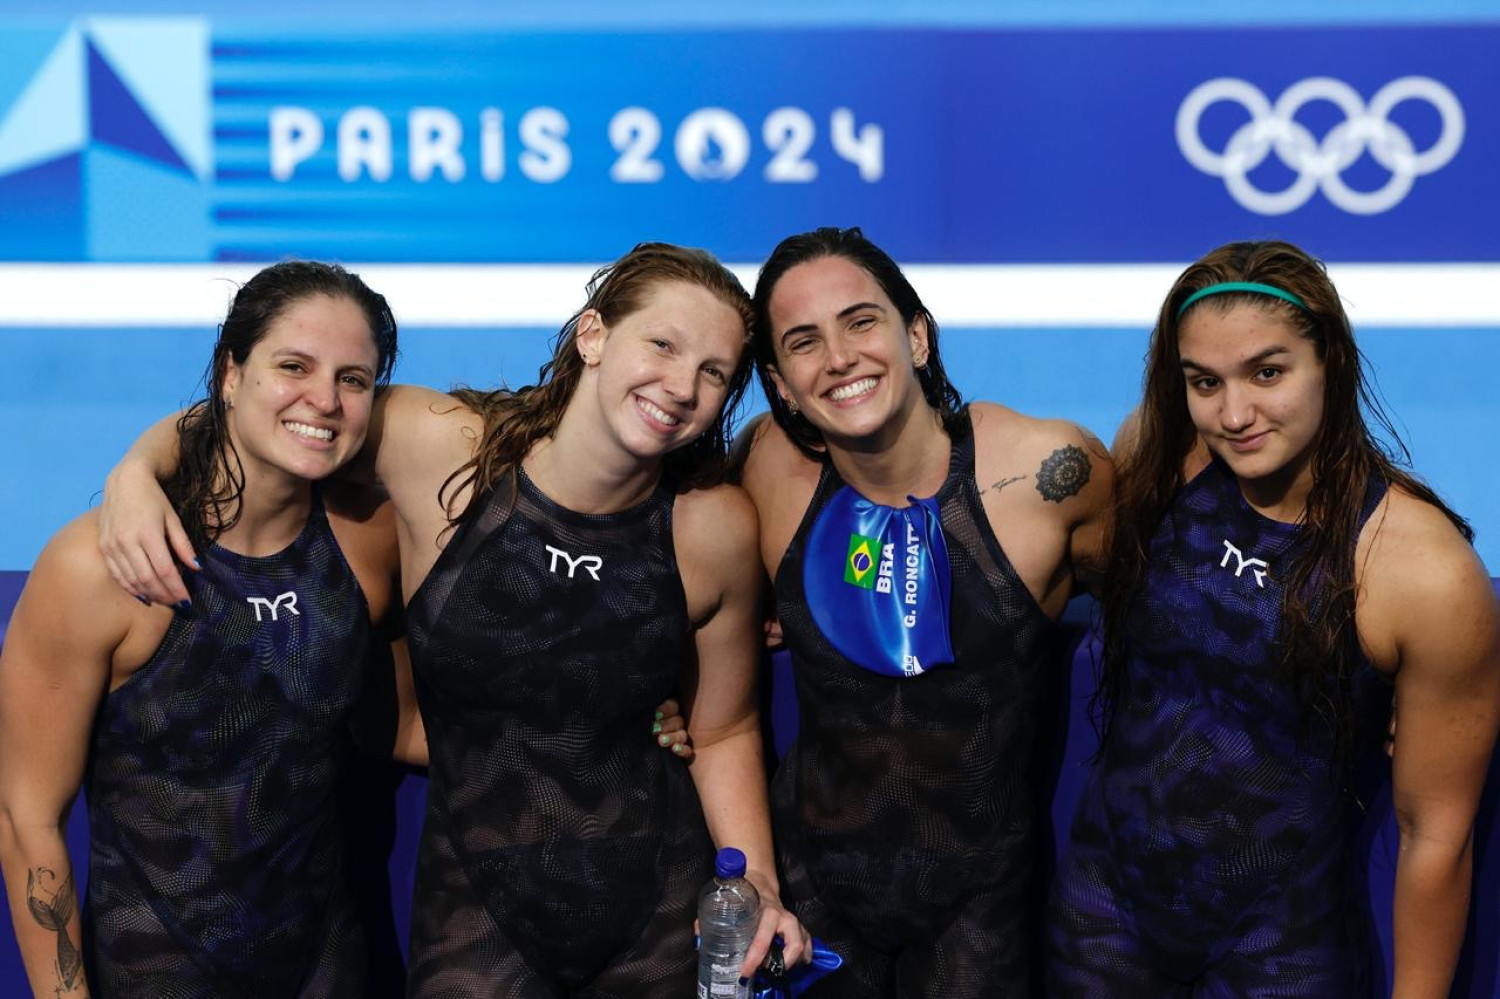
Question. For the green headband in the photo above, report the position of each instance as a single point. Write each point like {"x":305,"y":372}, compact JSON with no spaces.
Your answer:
{"x":1227,"y":286}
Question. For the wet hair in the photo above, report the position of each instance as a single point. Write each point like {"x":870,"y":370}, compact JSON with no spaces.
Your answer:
{"x":852,"y":245}
{"x":1319,"y":643}
{"x":514,"y":420}
{"x":210,"y":478}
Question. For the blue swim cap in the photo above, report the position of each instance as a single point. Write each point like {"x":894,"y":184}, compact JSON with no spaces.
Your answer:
{"x":877,"y":581}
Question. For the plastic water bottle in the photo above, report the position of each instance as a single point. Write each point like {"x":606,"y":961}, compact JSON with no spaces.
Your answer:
{"x":728,"y":915}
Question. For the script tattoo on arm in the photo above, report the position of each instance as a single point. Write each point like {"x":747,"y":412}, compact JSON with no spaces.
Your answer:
{"x":54,"y":914}
{"x":1064,"y":473}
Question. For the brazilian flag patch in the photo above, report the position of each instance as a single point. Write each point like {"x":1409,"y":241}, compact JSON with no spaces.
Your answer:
{"x":859,"y":566}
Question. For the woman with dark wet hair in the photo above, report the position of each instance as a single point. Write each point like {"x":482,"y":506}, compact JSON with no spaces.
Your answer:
{"x":208,"y":736}
{"x":920,"y":550}
{"x":1272,"y":573}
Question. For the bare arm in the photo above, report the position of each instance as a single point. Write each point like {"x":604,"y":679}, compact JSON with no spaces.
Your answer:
{"x":139,"y":532}
{"x":54,"y":668}
{"x":1431,"y":608}
{"x":417,"y":438}
{"x":1088,"y":545}
{"x":716,"y":539}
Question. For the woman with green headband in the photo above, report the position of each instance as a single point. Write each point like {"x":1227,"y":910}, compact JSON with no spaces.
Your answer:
{"x":1273,"y":576}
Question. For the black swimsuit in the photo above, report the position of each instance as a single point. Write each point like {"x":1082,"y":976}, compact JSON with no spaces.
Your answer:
{"x":563,"y":849}
{"x":905,"y":810}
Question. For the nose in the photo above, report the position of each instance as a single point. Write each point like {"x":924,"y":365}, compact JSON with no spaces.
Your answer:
{"x":840,"y":356}
{"x":1236,"y":408}
{"x":681,"y":383}
{"x":323,"y":395}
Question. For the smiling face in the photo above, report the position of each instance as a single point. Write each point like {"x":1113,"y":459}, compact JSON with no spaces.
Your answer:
{"x":844,"y":356}
{"x":659,"y":376}
{"x":1255,"y":392}
{"x":300,"y":403}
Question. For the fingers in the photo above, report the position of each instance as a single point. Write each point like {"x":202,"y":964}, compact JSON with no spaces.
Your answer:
{"x":182,"y":546}
{"x":146,"y":572}
{"x":676,"y":743}
{"x":670,"y":730}
{"x":143,"y":565}
{"x":773,"y":633}
{"x":770,"y":918}
{"x":796,"y":942}
{"x":138,"y":541}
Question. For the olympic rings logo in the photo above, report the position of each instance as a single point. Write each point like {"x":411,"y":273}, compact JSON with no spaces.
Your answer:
{"x":1320,"y":164}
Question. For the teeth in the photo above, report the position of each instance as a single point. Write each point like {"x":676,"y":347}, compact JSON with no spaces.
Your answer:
{"x":657,"y":413}
{"x":852,"y":389}
{"x":303,"y":430}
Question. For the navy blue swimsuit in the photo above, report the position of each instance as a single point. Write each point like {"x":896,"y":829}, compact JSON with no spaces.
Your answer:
{"x":1211,"y":849}
{"x":215,"y":865}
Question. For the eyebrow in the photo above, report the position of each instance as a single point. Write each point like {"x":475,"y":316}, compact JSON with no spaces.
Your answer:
{"x":843,"y":314}
{"x":1249,"y":362}
{"x":304,"y":356}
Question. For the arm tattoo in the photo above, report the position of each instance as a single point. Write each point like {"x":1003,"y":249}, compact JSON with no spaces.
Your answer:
{"x":1063,"y":473}
{"x":55,"y":914}
{"x":997,"y":486}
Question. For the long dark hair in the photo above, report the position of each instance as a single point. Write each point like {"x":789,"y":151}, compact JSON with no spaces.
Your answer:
{"x":1319,"y":643}
{"x":210,"y":478}
{"x":515,"y":420}
{"x":852,"y":245}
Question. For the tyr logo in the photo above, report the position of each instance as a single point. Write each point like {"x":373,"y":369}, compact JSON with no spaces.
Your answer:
{"x":1255,"y":565}
{"x":287,"y":601}
{"x":590,"y":564}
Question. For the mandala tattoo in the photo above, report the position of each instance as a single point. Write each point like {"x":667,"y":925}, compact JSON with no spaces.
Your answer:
{"x":54,"y":914}
{"x":1064,"y":473}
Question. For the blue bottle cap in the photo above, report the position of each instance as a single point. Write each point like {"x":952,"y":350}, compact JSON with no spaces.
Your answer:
{"x":730,"y":863}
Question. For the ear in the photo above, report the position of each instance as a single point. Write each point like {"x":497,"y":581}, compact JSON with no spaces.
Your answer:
{"x":590,"y":335}
{"x":916,"y":335}
{"x":230,"y":383}
{"x":781,"y":389}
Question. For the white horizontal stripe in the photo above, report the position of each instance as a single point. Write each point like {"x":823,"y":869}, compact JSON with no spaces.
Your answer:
{"x":968,"y":295}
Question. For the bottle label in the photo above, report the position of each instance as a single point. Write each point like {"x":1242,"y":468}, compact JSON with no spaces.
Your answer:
{"x":726,"y":984}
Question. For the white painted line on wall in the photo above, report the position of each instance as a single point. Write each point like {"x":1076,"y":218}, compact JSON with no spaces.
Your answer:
{"x":530,"y":295}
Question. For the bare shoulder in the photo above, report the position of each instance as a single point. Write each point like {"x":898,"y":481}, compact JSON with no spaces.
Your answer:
{"x":714,"y":533}
{"x":769,"y":458}
{"x":420,"y":405}
{"x":70,"y":599}
{"x":1055,"y":460}
{"x":715,"y":522}
{"x":780,"y":480}
{"x":421,"y":426}
{"x":72,"y":560}
{"x":1418,"y":576}
{"x":419,"y":438}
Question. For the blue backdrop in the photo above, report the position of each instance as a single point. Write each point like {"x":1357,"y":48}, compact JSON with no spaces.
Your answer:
{"x":1039,"y":132}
